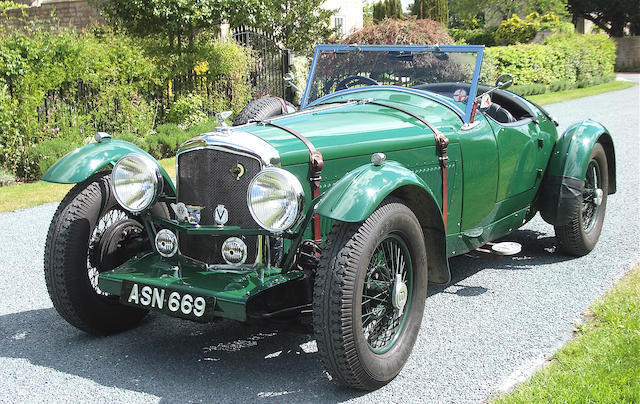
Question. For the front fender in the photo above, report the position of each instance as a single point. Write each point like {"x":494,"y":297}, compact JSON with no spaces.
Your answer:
{"x":84,"y":161}
{"x":359,"y":192}
{"x":564,"y":178}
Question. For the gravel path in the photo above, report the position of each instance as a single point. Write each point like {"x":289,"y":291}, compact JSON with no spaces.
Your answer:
{"x":498,"y":320}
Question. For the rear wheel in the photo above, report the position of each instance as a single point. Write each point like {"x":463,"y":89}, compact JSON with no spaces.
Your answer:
{"x":369,"y":296}
{"x":89,"y":234}
{"x":582,"y":231}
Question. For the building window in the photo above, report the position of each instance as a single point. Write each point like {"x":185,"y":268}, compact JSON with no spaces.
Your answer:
{"x":338,"y":22}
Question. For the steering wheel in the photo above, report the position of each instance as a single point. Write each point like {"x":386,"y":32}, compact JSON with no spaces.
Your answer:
{"x":350,"y":81}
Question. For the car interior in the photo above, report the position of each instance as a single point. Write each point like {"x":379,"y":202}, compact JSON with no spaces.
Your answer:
{"x":506,"y":108}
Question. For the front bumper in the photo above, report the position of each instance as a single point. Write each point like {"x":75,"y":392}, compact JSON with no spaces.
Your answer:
{"x":232,"y":290}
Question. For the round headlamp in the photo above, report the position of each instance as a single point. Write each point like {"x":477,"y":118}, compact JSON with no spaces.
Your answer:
{"x":275,"y":198}
{"x":136,"y":182}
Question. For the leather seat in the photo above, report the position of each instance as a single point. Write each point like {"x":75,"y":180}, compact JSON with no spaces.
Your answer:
{"x":500,"y":114}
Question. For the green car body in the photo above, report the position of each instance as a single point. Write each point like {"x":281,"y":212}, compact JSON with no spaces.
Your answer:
{"x":499,"y":176}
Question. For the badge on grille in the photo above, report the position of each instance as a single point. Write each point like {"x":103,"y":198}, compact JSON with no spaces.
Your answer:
{"x":238,"y":170}
{"x":221,"y":215}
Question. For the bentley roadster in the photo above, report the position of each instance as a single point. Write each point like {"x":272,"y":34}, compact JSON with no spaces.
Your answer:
{"x":399,"y":158}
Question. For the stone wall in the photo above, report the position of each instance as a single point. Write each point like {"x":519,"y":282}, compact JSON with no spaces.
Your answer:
{"x":76,"y":13}
{"x":628,"y":53}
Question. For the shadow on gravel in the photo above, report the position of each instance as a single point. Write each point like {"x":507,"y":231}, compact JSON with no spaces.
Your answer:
{"x":177,"y":360}
{"x":537,"y":249}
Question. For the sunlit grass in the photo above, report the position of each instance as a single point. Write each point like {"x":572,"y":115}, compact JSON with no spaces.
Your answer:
{"x":20,"y":196}
{"x":566,"y":95}
{"x":602,"y":364}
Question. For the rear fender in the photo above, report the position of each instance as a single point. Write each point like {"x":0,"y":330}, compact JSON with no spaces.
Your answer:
{"x":84,"y":161}
{"x":354,"y":198}
{"x":563,"y":182}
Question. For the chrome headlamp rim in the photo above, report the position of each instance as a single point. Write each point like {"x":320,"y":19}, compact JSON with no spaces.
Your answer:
{"x":299,"y":197}
{"x":156,"y":178}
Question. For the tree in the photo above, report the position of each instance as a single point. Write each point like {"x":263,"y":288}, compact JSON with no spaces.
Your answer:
{"x":506,"y":8}
{"x":387,"y":9}
{"x":437,"y":10}
{"x":613,"y":16}
{"x":297,"y":24}
{"x":466,"y":14}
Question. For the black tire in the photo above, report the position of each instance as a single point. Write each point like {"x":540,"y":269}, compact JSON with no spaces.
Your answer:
{"x":338,"y":294}
{"x":68,"y":257}
{"x":581,"y":233}
{"x":261,"y":109}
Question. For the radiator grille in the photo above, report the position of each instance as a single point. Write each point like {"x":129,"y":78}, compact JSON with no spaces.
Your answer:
{"x":206,"y":178}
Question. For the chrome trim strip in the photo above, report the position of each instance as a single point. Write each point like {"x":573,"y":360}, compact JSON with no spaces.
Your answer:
{"x":237,"y":142}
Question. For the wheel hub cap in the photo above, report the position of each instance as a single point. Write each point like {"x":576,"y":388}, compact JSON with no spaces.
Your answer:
{"x":597,"y":196}
{"x":400,"y":293}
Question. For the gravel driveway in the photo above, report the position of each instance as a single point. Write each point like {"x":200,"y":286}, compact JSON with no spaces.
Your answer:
{"x":498,"y":319}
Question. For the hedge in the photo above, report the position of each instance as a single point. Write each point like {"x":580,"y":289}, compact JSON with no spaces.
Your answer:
{"x":58,"y":88}
{"x":561,"y":62}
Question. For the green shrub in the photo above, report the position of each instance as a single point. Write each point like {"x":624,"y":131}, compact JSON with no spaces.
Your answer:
{"x":58,"y":88}
{"x":168,"y":137}
{"x":479,"y":36}
{"x":562,"y":61}
{"x":528,"y":89}
{"x":10,"y":5}
{"x":187,"y":110}
{"x":6,"y":178}
{"x":515,"y":30}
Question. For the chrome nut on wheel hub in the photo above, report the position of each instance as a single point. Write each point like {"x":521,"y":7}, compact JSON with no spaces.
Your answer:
{"x":597,"y":196}
{"x":400,"y":293}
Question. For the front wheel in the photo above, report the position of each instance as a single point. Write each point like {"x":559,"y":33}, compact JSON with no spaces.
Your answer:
{"x":89,"y":234}
{"x":582,"y":230}
{"x":369,"y":296}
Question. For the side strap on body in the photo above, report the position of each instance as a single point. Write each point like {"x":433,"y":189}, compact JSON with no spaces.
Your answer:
{"x":315,"y":173}
{"x":442,"y":142}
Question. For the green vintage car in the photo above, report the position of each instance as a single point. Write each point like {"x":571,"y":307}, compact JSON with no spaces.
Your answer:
{"x":340,"y":213}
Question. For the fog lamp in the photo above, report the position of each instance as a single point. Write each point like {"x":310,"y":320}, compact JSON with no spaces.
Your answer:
{"x":166,"y":243}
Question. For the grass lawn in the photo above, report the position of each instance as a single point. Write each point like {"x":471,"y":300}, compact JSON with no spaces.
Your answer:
{"x":566,"y":95}
{"x":602,"y":364}
{"x":22,"y":196}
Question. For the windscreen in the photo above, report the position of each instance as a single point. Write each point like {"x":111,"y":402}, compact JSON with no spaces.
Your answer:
{"x":448,"y":71}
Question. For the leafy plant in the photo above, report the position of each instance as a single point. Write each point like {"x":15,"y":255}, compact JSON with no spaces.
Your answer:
{"x":567,"y":61}
{"x":516,"y":30}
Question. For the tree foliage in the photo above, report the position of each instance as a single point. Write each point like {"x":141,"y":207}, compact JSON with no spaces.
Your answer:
{"x":506,"y":8}
{"x":437,"y":10}
{"x":611,"y":16}
{"x":387,"y":9}
{"x":296,"y":24}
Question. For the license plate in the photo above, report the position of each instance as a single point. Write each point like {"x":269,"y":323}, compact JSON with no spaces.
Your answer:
{"x":172,"y":302}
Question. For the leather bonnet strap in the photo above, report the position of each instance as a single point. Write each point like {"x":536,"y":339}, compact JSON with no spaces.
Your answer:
{"x":315,"y":173}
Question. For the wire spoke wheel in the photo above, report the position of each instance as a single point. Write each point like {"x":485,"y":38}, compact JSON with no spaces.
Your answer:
{"x":369,"y":294}
{"x":108,"y":220}
{"x":579,"y":227}
{"x":383,"y":311}
{"x":591,"y":196}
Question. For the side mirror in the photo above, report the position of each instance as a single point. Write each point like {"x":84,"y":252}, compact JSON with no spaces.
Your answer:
{"x":504,"y":81}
